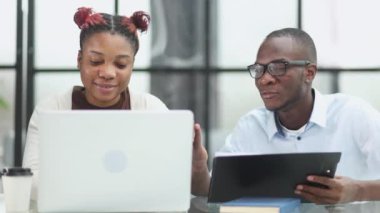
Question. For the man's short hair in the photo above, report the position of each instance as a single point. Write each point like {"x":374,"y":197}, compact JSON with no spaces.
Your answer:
{"x":299,"y":36}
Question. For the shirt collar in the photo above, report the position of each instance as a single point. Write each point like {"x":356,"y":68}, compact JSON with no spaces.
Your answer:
{"x":318,"y":116}
{"x":273,"y":126}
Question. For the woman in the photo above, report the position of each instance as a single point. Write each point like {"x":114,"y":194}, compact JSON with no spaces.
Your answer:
{"x":108,"y":45}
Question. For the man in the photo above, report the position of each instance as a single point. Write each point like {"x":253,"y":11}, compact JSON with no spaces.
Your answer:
{"x":297,"y":118}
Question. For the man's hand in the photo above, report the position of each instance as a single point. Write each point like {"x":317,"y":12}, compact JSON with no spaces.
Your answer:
{"x":200,"y":178}
{"x":339,"y":190}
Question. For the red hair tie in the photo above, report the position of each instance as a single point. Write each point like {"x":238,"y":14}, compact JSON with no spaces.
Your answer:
{"x":85,"y":17}
{"x":139,"y":20}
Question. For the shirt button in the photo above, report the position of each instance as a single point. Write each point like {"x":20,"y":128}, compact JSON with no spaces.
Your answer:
{"x":299,"y":138}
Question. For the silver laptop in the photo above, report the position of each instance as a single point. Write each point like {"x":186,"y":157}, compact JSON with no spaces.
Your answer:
{"x":115,"y":161}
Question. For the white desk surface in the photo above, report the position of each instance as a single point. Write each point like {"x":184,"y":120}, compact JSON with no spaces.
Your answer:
{"x":2,"y":205}
{"x":200,"y":205}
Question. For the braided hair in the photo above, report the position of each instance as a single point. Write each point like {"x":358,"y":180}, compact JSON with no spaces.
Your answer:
{"x":90,"y":23}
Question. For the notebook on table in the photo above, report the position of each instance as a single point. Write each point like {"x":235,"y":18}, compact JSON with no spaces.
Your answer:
{"x":267,"y":175}
{"x":115,"y":161}
{"x":261,"y":205}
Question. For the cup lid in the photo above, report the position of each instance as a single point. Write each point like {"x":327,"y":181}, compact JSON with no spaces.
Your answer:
{"x":17,"y":171}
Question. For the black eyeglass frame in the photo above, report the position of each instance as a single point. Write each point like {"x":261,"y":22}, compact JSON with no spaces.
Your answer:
{"x":265,"y":66}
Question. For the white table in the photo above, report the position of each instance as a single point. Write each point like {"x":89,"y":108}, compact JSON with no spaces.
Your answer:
{"x":200,"y":205}
{"x":2,"y":205}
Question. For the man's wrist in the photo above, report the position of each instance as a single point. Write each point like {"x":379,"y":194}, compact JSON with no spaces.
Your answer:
{"x":364,"y":188}
{"x":360,"y":194}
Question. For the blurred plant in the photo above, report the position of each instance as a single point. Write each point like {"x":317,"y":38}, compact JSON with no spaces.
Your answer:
{"x":3,"y":103}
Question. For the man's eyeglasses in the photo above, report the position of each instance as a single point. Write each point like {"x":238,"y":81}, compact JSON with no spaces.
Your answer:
{"x":275,"y":68}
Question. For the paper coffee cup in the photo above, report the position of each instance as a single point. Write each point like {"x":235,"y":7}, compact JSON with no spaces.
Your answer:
{"x":17,"y":185}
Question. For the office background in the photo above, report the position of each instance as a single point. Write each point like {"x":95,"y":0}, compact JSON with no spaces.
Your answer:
{"x":193,"y":56}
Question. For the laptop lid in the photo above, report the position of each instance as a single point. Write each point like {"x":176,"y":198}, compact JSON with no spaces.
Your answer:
{"x":267,"y":175}
{"x":115,"y":161}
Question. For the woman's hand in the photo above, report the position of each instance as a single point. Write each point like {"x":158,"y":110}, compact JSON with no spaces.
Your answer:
{"x":200,"y":178}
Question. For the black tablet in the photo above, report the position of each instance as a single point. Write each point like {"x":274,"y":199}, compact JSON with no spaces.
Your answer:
{"x":268,"y":175}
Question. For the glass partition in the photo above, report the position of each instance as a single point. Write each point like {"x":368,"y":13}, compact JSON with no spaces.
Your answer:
{"x":56,"y":34}
{"x":8,"y":32}
{"x":345,"y":31}
{"x":7,"y":106}
{"x":363,"y":84}
{"x":242,"y":26}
